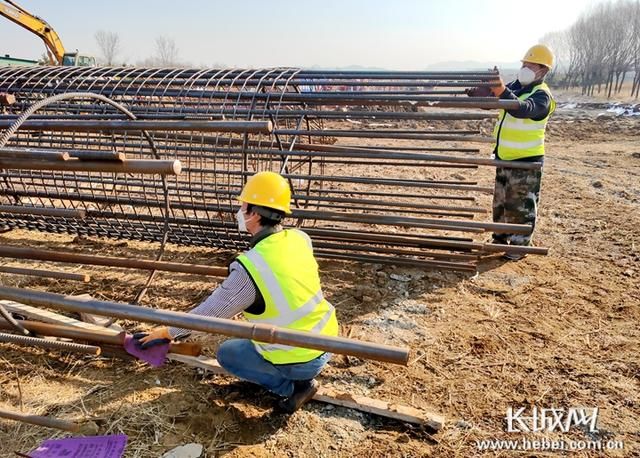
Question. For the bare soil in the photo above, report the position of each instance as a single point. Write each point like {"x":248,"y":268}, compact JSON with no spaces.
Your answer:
{"x":557,"y":331}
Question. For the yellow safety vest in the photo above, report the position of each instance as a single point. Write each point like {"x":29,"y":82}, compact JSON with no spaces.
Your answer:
{"x":521,"y":138}
{"x":286,"y":273}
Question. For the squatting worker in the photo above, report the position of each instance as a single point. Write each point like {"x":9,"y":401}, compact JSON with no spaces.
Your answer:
{"x":276,"y":283}
{"x":519,"y":135}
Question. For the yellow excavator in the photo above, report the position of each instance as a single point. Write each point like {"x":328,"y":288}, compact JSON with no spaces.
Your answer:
{"x":40,"y":27}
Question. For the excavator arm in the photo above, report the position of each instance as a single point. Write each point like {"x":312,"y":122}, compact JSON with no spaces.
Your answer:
{"x":36,"y":25}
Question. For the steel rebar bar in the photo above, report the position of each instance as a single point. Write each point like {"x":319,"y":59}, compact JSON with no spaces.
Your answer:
{"x":258,"y":332}
{"x":44,"y":211}
{"x":74,"y":333}
{"x":49,"y":344}
{"x":39,"y":154}
{"x":39,"y":420}
{"x":45,"y":273}
{"x":252,"y":127}
{"x":75,"y":165}
{"x":131,"y":263}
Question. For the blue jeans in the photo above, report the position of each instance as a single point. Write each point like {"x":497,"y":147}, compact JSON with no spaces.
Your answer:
{"x":240,"y":358}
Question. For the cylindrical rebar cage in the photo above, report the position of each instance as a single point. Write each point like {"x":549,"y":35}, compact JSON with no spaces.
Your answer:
{"x":340,"y":138}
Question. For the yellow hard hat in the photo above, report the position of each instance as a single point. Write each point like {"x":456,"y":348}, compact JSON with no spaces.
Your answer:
{"x":267,"y":189}
{"x":539,"y":54}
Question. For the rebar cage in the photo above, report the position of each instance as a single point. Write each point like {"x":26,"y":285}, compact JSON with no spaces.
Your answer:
{"x":338,"y":137}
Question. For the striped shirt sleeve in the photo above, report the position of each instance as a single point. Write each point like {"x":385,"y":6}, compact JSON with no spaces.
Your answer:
{"x":234,"y":295}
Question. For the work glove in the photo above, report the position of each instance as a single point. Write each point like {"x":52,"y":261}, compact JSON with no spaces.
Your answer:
{"x":157,"y":336}
{"x":482,"y":91}
{"x":153,"y":352}
{"x":7,"y":99}
{"x":498,"y":88}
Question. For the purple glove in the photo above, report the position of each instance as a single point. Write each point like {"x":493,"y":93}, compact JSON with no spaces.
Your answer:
{"x":155,"y":353}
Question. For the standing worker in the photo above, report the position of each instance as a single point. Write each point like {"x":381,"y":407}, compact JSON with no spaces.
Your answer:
{"x":519,"y":135}
{"x":276,"y":283}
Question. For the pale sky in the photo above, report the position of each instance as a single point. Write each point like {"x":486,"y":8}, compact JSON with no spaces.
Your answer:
{"x":397,"y":35}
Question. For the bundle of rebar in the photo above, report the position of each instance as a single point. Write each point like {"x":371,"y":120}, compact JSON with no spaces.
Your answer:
{"x":345,"y":141}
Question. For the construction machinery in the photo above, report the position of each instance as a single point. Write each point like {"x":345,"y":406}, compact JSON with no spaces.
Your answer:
{"x":34,"y":24}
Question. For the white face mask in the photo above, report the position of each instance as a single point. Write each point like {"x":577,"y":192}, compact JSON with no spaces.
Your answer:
{"x":242,"y":224}
{"x":526,"y":76}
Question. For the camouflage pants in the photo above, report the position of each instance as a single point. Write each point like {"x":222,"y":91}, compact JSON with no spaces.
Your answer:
{"x":515,"y":200}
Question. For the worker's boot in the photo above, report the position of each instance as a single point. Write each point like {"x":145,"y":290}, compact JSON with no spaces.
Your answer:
{"x":514,"y":256}
{"x":500,"y":239}
{"x":518,"y":241}
{"x":303,"y":391}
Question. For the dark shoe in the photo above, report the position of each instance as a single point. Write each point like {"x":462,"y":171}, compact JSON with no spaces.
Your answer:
{"x":303,"y":391}
{"x":514,"y":256}
{"x":500,"y":239}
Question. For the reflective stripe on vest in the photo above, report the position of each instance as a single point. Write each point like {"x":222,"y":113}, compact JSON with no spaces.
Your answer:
{"x":317,"y":328}
{"x":520,"y":138}
{"x":286,"y":273}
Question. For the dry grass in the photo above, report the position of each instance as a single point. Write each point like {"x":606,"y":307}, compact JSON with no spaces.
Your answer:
{"x":576,"y":94}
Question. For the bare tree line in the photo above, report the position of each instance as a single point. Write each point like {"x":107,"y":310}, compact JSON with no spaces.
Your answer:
{"x":166,"y":51}
{"x":109,"y":45}
{"x":600,"y":49}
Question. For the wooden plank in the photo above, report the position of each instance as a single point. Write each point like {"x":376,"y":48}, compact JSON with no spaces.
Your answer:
{"x":51,"y":317}
{"x":330,"y":396}
{"x":382,"y":408}
{"x":102,"y":321}
{"x":201,"y":362}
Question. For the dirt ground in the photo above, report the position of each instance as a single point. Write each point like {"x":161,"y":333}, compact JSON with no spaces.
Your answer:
{"x":557,"y":331}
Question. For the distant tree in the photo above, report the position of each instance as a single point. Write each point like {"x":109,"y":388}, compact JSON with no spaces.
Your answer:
{"x":559,"y":44}
{"x":109,"y":44}
{"x":601,"y":48}
{"x":44,"y":59}
{"x":166,"y":51}
{"x":634,"y":19}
